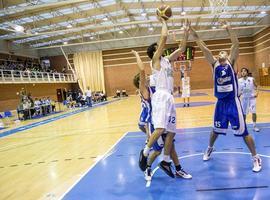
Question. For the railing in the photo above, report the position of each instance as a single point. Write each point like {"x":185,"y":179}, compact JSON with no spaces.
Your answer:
{"x":15,"y":76}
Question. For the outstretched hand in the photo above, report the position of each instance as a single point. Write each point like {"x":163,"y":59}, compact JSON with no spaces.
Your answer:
{"x":225,"y":24}
{"x":187,"y":25}
{"x":139,"y":61}
{"x":135,"y":53}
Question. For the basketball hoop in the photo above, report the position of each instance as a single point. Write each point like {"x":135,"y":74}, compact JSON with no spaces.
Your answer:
{"x":218,"y":6}
{"x":182,"y":66}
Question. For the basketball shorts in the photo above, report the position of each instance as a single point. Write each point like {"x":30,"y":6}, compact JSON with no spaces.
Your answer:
{"x":145,"y":116}
{"x":185,"y":92}
{"x":248,"y":105}
{"x":229,"y":110}
{"x":163,"y":111}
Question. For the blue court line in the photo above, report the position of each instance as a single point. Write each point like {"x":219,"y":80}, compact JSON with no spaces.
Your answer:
{"x":46,"y":121}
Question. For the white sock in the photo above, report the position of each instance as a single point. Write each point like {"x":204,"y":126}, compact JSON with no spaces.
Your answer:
{"x":254,"y":124}
{"x":146,"y":150}
{"x":166,"y":158}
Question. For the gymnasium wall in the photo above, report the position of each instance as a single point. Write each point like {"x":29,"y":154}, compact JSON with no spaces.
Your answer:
{"x":262,"y":55}
{"x":9,"y":99}
{"x":120,"y":66}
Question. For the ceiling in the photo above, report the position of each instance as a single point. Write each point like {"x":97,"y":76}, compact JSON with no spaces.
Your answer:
{"x":108,"y":24}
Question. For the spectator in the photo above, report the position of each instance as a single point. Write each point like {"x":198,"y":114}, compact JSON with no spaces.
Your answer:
{"x":124,"y":93}
{"x":53,"y":105}
{"x":103,"y":96}
{"x":26,"y":105}
{"x":70,"y":102}
{"x":37,"y":105}
{"x":48,"y":105}
{"x":118,"y":93}
{"x":88,"y":95}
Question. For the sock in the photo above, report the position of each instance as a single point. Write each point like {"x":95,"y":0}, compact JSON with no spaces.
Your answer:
{"x":146,"y":150}
{"x":178,"y":167}
{"x":254,"y":124}
{"x":166,"y":158}
{"x":148,"y":166}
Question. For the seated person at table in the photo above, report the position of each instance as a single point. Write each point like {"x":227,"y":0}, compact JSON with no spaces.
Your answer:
{"x":103,"y":96}
{"x":124,"y":93}
{"x":26,"y":105}
{"x":70,"y":102}
{"x":118,"y":93}
{"x":37,"y":104}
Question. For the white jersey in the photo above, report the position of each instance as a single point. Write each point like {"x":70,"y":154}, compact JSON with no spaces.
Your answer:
{"x":185,"y":82}
{"x":246,"y":87}
{"x":164,"y":77}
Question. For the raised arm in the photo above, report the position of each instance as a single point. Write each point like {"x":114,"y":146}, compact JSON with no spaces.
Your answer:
{"x":234,"y":52}
{"x":161,"y":45}
{"x":182,"y":45}
{"x":142,"y":86}
{"x":206,"y":52}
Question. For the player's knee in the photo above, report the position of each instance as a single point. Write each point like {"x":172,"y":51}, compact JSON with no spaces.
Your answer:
{"x":159,"y":131}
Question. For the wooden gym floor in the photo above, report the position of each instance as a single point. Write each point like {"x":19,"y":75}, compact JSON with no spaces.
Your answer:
{"x":44,"y":161}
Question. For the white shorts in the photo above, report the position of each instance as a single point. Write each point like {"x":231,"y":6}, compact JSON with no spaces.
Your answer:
{"x":186,"y":92}
{"x":248,"y":105}
{"x":163,"y":111}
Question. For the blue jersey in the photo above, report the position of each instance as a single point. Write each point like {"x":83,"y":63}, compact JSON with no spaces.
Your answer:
{"x":225,"y":81}
{"x":145,"y":115}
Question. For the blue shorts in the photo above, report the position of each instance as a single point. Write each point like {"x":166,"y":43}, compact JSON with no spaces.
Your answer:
{"x":227,"y":111}
{"x":145,"y":116}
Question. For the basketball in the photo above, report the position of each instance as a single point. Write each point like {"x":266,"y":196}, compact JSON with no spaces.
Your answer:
{"x":164,"y":11}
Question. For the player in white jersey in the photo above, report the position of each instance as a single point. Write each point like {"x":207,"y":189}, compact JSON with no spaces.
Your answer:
{"x":248,"y":92}
{"x":228,"y":107}
{"x":163,"y":108}
{"x":186,"y":89}
{"x":147,"y":93}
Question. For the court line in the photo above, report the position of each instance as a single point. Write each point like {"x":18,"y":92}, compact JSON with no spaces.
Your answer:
{"x":232,"y":188}
{"x":46,"y":121}
{"x":106,"y":154}
{"x":200,"y":154}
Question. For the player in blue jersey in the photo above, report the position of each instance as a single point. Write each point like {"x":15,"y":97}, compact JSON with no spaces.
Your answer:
{"x":228,"y":107}
{"x":146,"y":92}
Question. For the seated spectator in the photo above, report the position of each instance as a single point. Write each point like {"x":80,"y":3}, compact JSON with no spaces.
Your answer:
{"x":70,"y":102}
{"x":118,"y":93}
{"x":103,"y":96}
{"x":43,"y":106}
{"x":37,"y":105}
{"x":124,"y":93}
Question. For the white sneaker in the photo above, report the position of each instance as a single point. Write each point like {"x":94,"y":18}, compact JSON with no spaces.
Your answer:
{"x":182,"y":174}
{"x":256,"y":129}
{"x":207,"y":153}
{"x":148,"y":174}
{"x":257,"y":163}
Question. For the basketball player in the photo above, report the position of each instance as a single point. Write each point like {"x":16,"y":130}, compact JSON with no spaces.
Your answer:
{"x":228,"y":107}
{"x":186,"y":88}
{"x":146,"y":89}
{"x":146,"y":94}
{"x":248,"y":93}
{"x":163,"y":108}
